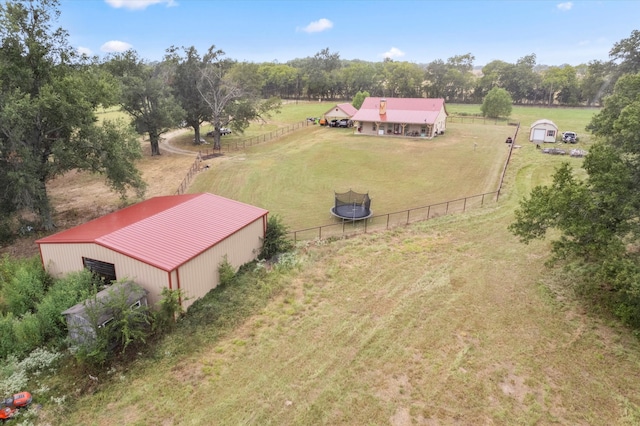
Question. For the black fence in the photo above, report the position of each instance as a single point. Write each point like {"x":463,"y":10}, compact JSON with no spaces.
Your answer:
{"x":255,"y":140}
{"x":193,"y":170}
{"x":342,"y":228}
{"x":474,"y":119}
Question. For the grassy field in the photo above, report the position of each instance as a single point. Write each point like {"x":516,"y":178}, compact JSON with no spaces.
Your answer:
{"x":295,"y":176}
{"x":449,"y":321}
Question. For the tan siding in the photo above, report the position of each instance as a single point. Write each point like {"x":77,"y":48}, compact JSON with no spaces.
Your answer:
{"x":60,"y":259}
{"x":196,"y":277}
{"x":200,"y":275}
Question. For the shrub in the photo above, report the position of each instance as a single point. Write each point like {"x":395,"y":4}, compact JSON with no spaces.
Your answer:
{"x":26,"y":287}
{"x":169,"y":309}
{"x":226,"y":272}
{"x":275,"y":240}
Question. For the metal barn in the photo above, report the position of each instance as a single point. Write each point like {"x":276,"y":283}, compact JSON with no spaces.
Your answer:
{"x":175,"y":241}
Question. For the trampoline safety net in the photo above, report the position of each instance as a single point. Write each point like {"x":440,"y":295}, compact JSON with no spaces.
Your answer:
{"x":352,"y":205}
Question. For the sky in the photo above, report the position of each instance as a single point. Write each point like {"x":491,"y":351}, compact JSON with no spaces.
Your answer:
{"x":557,"y":32}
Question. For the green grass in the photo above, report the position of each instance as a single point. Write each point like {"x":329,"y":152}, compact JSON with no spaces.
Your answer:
{"x":398,"y":173}
{"x":448,"y":321}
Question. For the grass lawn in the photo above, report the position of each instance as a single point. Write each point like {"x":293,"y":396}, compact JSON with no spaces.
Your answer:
{"x":295,"y":176}
{"x":447,"y":321}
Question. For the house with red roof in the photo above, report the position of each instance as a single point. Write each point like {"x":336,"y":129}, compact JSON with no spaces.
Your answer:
{"x":418,"y":117}
{"x":175,"y":241}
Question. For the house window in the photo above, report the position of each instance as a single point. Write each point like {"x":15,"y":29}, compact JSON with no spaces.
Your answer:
{"x":374,"y":127}
{"x":106,"y":271}
{"x":423,"y":131}
{"x":551,"y":133}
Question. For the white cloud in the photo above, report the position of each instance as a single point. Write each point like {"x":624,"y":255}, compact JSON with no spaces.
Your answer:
{"x":84,"y":51}
{"x":115,"y":46}
{"x":394,"y":52}
{"x":318,"y":26}
{"x":565,"y":6}
{"x":138,"y":4}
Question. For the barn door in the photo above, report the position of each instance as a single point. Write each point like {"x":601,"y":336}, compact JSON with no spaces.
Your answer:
{"x":106,"y":271}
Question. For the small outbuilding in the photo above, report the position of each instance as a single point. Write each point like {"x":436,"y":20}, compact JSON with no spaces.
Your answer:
{"x":175,"y":242}
{"x":86,"y":317}
{"x":340,"y":111}
{"x":543,"y":131}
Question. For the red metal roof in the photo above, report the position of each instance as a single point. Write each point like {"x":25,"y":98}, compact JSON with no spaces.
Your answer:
{"x":348,"y":108}
{"x":401,"y":110}
{"x":164,"y":231}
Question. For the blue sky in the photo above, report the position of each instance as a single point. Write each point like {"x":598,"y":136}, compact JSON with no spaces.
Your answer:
{"x":558,"y":32}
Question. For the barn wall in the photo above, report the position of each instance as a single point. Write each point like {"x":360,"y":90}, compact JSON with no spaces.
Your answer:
{"x":60,"y":259}
{"x":200,"y":274}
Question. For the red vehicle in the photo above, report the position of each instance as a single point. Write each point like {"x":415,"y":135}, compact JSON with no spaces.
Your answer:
{"x":9,"y":407}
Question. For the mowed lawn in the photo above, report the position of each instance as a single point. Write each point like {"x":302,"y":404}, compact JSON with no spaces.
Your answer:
{"x":449,"y":321}
{"x":296,"y":175}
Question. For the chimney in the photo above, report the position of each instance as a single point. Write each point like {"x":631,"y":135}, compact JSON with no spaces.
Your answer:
{"x":383,"y":106}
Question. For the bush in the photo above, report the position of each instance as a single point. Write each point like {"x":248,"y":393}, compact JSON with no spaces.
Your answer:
{"x":226,"y":272}
{"x":27,"y":287}
{"x":275,"y":240}
{"x":169,"y":309}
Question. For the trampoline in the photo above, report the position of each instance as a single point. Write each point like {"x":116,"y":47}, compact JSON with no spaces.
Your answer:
{"x":352,"y":206}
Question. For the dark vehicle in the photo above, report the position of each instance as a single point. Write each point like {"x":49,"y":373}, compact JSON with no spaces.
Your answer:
{"x":345,"y":123}
{"x":333,"y":123}
{"x":569,"y":137}
{"x":223,"y":131}
{"x":9,"y":406}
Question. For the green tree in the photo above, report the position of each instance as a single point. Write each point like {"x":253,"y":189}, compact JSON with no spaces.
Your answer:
{"x":497,"y":103}
{"x":185,"y":74}
{"x":232,"y":94}
{"x":146,"y":95}
{"x":275,"y":240}
{"x":48,"y":125}
{"x":597,"y":218}
{"x":597,"y":82}
{"x":627,"y":53}
{"x":359,"y":98}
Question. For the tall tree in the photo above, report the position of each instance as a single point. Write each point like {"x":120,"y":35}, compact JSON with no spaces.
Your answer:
{"x":626,"y":53}
{"x":232,"y":93}
{"x":597,"y":218}
{"x":597,"y":82}
{"x":185,"y":73}
{"x":48,"y":125}
{"x":146,"y":96}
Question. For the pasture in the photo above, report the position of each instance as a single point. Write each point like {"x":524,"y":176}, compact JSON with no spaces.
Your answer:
{"x":295,"y":176}
{"x":448,"y":321}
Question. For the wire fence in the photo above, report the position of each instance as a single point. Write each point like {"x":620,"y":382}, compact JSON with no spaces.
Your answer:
{"x":254,"y":140}
{"x":193,"y":170}
{"x":474,"y":119}
{"x":375,"y":223}
{"x":343,"y":228}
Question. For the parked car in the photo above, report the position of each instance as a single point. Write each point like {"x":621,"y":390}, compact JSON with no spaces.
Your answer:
{"x":569,"y":137}
{"x":223,"y":131}
{"x":345,"y":123}
{"x":333,"y":123}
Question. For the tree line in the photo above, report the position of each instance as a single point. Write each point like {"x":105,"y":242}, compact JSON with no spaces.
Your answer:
{"x":49,"y":95}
